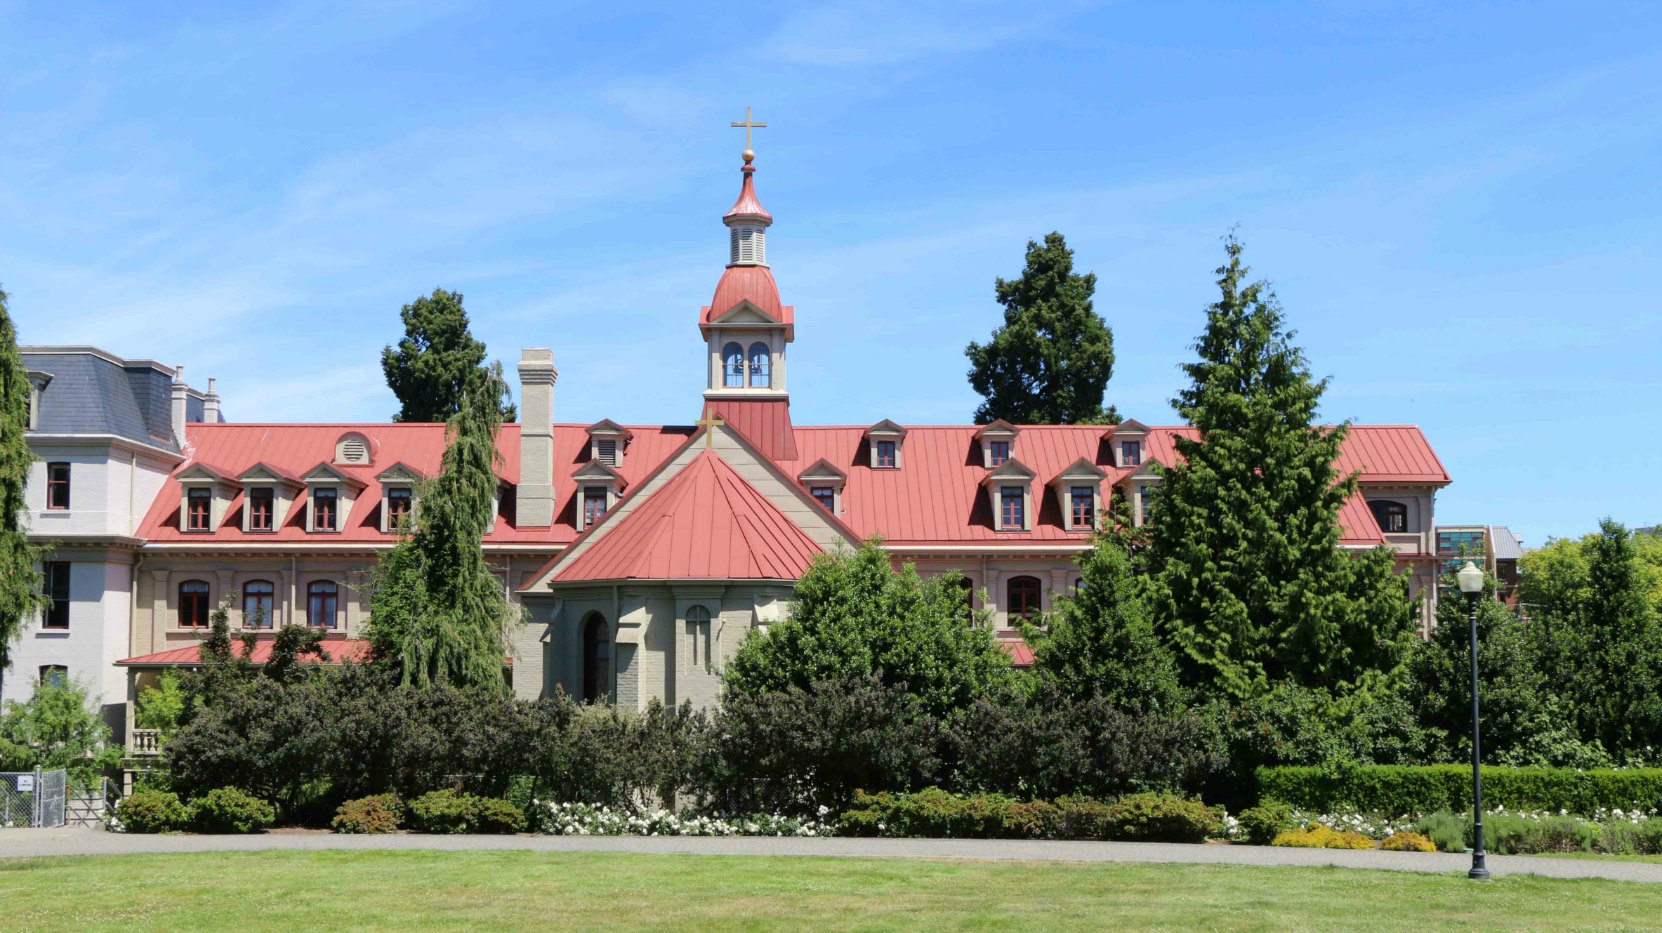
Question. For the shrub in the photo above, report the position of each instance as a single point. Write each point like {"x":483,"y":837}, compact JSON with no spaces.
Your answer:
{"x":1510,"y":834}
{"x":1263,"y":823}
{"x":1408,"y":842}
{"x":1623,"y":838}
{"x":381,"y":813}
{"x":147,"y":810}
{"x":229,"y":810}
{"x":443,"y":811}
{"x":1081,"y":818}
{"x":1162,"y":818}
{"x":494,"y":815}
{"x":1446,"y":830}
{"x":1427,"y":789}
{"x":931,"y":812}
{"x":1032,"y":820}
{"x":1317,"y":836}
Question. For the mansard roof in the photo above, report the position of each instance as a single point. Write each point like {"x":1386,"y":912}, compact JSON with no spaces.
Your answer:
{"x":94,"y":392}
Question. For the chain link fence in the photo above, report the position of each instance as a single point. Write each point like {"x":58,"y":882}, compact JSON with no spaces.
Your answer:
{"x":33,"y":798}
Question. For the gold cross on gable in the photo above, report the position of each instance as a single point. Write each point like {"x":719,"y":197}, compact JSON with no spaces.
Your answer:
{"x":748,"y":125}
{"x":711,"y":423}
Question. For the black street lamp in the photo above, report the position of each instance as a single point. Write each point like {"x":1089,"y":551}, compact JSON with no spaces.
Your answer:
{"x":1471,"y":583}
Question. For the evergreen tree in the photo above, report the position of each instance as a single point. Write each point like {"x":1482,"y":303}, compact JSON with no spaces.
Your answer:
{"x":856,"y":617}
{"x":1251,"y":586}
{"x":438,"y":361}
{"x":436,"y":609}
{"x":1050,"y":362}
{"x":1599,"y":640}
{"x":1102,"y":641}
{"x":20,"y":581}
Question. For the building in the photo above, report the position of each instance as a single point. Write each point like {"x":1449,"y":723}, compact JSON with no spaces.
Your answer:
{"x":1496,"y":548}
{"x":642,"y":555}
{"x":107,"y":433}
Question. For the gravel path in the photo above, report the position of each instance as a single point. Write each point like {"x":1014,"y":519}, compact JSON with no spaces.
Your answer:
{"x":38,"y":842}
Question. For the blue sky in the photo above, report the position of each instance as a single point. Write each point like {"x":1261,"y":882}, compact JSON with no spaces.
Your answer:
{"x":1458,"y":207}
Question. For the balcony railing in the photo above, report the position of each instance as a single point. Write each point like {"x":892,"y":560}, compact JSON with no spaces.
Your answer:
{"x":145,"y":742}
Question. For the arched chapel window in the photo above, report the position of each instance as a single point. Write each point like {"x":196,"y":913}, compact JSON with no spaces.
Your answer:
{"x":760,"y":364}
{"x":732,"y":363}
{"x":597,"y":658}
{"x":1391,"y":516}
{"x":698,"y":636}
{"x":1022,"y":597}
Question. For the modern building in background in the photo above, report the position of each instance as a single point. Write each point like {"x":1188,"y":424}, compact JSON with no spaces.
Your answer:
{"x":1494,"y":547}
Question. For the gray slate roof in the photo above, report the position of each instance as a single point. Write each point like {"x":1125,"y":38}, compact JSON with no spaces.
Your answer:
{"x":92,"y":392}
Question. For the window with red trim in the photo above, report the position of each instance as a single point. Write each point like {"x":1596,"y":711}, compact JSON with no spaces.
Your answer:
{"x":1131,"y":453}
{"x":1022,"y":597}
{"x":322,"y":600}
{"x":257,"y":604}
{"x":262,"y":509}
{"x":57,"y":485}
{"x":594,"y":504}
{"x":998,"y":452}
{"x":324,"y":502}
{"x":398,"y":505}
{"x":193,"y":604}
{"x":885,"y":455}
{"x":1083,"y":500}
{"x":199,"y":510}
{"x":1011,"y":514}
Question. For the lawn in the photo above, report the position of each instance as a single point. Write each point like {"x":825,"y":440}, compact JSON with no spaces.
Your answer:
{"x":403,"y":890}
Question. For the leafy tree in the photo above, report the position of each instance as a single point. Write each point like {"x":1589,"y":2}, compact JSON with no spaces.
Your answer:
{"x":163,"y":707}
{"x":1102,"y":641}
{"x":855,"y":616}
{"x":20,"y":581}
{"x":1555,"y":576}
{"x":56,"y":729}
{"x":1599,"y":640}
{"x":437,"y":610}
{"x":438,"y":361}
{"x":1050,"y":362}
{"x":1252,"y":588}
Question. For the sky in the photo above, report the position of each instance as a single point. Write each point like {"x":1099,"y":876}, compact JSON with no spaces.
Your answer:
{"x":1459,"y":205}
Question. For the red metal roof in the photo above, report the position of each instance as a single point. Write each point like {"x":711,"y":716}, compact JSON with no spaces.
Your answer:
{"x":754,"y":284}
{"x":1020,"y":654}
{"x":706,"y":523}
{"x":1357,"y":526}
{"x":338,"y":649}
{"x":765,"y":423}
{"x":748,"y":205}
{"x":1390,"y":453}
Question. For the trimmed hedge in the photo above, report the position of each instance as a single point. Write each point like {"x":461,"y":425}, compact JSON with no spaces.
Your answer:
{"x":937,"y":813}
{"x":1403,"y":789}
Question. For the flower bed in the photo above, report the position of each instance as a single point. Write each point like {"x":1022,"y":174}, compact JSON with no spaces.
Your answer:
{"x":578,"y":819}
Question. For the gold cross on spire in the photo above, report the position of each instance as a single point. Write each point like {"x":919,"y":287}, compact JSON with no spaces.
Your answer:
{"x":711,"y":423}
{"x":748,"y":125}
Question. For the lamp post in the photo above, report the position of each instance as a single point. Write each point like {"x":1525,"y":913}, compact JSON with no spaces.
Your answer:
{"x":1471,"y":584}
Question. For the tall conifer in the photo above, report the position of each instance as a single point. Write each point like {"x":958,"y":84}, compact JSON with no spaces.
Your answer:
{"x":437,"y":610}
{"x":20,"y":581}
{"x":1252,"y":587}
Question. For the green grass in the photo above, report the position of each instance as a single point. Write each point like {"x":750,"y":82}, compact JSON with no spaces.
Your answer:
{"x":427,"y":890}
{"x":1600,"y":857}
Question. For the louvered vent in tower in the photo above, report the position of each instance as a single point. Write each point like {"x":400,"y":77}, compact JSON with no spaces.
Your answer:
{"x":607,"y":449}
{"x":746,"y":244}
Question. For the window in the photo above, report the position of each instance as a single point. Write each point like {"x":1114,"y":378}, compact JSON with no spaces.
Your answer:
{"x":56,"y":573}
{"x":1083,"y":501}
{"x":1391,"y":516}
{"x":826,"y":496}
{"x":698,"y":636}
{"x":54,"y":675}
{"x":732,"y":358}
{"x":199,"y":510}
{"x":257,"y":604}
{"x":1145,"y":498}
{"x":885,"y":455}
{"x":398,"y":506}
{"x":597,"y":659}
{"x":57,"y":485}
{"x":594,"y":504}
{"x":1131,"y":453}
{"x":760,"y":360}
{"x":1022,"y":597}
{"x":606,"y":451}
{"x":323,"y":509}
{"x":193,"y":604}
{"x":1458,"y":543}
{"x":997,"y":452}
{"x":262,"y":509}
{"x":1011,"y":515}
{"x":322,"y":598}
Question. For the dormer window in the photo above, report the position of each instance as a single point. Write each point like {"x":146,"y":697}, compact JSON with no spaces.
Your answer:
{"x":399,"y":500}
{"x":607,"y":442}
{"x":325,"y":504}
{"x":199,"y":507}
{"x":998,"y":443}
{"x":1009,"y":488}
{"x":885,"y":441}
{"x":598,"y":489}
{"x":262,"y":508}
{"x":398,"y":495}
{"x":1127,"y":440}
{"x":1012,"y":512}
{"x":352,"y":449}
{"x":825,"y":483}
{"x":594,"y":504}
{"x":1078,"y":491}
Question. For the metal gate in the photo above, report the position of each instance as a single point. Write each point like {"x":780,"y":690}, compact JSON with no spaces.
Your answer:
{"x":32,"y":798}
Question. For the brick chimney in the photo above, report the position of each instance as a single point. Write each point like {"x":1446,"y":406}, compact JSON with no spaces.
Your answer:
{"x":535,"y":503}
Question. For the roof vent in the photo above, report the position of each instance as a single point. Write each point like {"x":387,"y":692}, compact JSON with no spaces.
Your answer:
{"x":352,"y":448}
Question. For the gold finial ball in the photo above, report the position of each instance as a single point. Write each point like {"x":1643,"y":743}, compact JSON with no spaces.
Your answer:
{"x":749,"y":155}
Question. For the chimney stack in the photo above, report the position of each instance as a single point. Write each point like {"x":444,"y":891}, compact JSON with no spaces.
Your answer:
{"x":535,"y":504}
{"x":181,"y":404}
{"x":210,"y":403}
